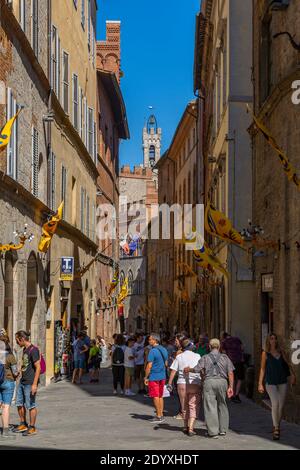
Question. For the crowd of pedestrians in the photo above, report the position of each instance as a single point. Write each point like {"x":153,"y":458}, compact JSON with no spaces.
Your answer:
{"x":203,"y":373}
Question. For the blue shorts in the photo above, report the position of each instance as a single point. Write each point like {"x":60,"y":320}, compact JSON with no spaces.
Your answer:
{"x":79,"y":363}
{"x":7,"y":389}
{"x":25,"y":397}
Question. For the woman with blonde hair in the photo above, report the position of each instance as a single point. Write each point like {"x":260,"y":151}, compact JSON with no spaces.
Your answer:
{"x":275,"y":370}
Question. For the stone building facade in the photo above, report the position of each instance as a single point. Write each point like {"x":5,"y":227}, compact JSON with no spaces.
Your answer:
{"x":50,"y":69}
{"x":112,"y":127}
{"x":223,"y":61}
{"x":275,"y":199}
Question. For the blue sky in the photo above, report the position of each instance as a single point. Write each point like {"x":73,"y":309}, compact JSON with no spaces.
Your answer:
{"x":157,"y":52}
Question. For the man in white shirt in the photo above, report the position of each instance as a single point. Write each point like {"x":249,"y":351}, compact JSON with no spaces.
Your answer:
{"x":138,"y":352}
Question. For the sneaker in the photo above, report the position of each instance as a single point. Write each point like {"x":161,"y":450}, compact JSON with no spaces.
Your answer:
{"x":222,"y":434}
{"x":179,"y":416}
{"x":157,"y":420}
{"x":130,"y":393}
{"x":7,"y":434}
{"x":115,"y":392}
{"x":212,"y":437}
{"x":30,"y":431}
{"x":122,"y":392}
{"x":21,"y":428}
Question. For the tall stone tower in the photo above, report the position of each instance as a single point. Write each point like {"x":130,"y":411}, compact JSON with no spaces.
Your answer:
{"x":151,"y":142}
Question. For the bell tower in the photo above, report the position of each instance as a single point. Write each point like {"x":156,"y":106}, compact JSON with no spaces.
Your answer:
{"x":151,"y":142}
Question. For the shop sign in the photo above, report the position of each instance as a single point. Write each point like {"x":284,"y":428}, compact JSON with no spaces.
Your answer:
{"x":67,"y":268}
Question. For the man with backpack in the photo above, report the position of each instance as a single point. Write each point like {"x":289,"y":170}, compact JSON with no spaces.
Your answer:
{"x":216,"y":370}
{"x":27,"y":389}
{"x":118,"y":368}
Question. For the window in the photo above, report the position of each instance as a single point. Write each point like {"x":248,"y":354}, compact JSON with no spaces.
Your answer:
{"x":22,"y":14}
{"x":74,"y":201}
{"x":35,"y":163}
{"x":64,"y":189}
{"x":80,"y":113}
{"x":55,"y":61}
{"x":65,"y":81}
{"x":87,"y":216}
{"x":82,"y":209}
{"x":12,"y":148}
{"x":84,"y":122}
{"x":265,"y":60}
{"x":75,"y":101}
{"x":95,"y":143}
{"x":152,"y":155}
{"x":52,"y":181}
{"x":89,"y":24}
{"x":83,"y":14}
{"x":93,"y":223}
{"x":34,"y":27}
{"x":90,"y":131}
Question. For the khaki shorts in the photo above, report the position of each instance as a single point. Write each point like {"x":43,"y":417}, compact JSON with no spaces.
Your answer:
{"x":129,"y":371}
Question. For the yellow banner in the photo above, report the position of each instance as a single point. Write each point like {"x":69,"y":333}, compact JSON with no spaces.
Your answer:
{"x":124,"y":292}
{"x":217,"y":224}
{"x":49,"y":229}
{"x":114,"y":281}
{"x":207,"y":260}
{"x":5,"y":132}
{"x":13,"y":247}
{"x":287,"y":167}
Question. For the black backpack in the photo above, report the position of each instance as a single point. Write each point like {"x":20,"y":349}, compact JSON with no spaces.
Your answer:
{"x":118,"y":356}
{"x":2,"y":373}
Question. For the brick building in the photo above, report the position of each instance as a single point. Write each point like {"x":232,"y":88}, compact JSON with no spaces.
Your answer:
{"x":112,"y":127}
{"x":276,"y":200}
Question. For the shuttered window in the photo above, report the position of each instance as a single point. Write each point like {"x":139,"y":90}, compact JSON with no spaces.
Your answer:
{"x":88,"y":216}
{"x":93,"y":223}
{"x":52,"y":181}
{"x":55,"y":61}
{"x":12,"y":148}
{"x":65,"y":81}
{"x":83,"y":13}
{"x":34,"y":26}
{"x":91,"y":131}
{"x":22,"y":15}
{"x":85,"y":122}
{"x":75,"y":101}
{"x":80,"y":112}
{"x":64,"y":189}
{"x":35,"y":163}
{"x":95,"y":143}
{"x":82,"y":209}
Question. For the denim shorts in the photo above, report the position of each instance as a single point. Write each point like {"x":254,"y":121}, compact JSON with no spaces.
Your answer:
{"x":7,"y":389}
{"x":25,"y":397}
{"x":79,"y":363}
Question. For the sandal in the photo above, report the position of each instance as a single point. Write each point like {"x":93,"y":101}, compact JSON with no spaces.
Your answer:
{"x":185,"y":430}
{"x":192,"y":433}
{"x":276,"y":434}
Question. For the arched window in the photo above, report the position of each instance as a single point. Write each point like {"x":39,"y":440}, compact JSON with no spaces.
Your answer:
{"x":122,"y":278}
{"x":130,"y":282}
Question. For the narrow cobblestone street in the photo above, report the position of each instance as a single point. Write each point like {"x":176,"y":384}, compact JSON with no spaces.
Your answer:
{"x":90,"y":417}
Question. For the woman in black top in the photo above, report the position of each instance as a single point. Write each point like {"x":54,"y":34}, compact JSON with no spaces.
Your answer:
{"x":275,"y":370}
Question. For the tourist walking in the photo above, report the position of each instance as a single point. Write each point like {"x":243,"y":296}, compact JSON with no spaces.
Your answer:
{"x":233,"y":347}
{"x":155,"y":375}
{"x":129,"y":366}
{"x":118,"y":369}
{"x":275,"y":370}
{"x":79,"y":354}
{"x":138,"y":350}
{"x":28,"y":386}
{"x":95,"y":358}
{"x":8,"y":375}
{"x":216,"y":371}
{"x":202,"y":347}
{"x":188,"y":386}
{"x":178,"y":350}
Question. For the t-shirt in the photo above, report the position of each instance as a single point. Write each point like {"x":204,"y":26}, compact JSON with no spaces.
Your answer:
{"x":187,"y":359}
{"x":224,"y":365}
{"x":94,"y":351}
{"x":128,"y":353}
{"x":232,"y":346}
{"x":30,"y":356}
{"x":87,"y":341}
{"x":10,"y":367}
{"x":78,"y":346}
{"x":138,"y":350}
{"x":202,"y":349}
{"x":158,"y":355}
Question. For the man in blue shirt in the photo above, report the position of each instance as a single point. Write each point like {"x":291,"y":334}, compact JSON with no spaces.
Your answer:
{"x":155,"y":375}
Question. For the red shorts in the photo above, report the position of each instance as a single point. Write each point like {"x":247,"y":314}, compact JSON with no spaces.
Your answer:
{"x":156,"y":388}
